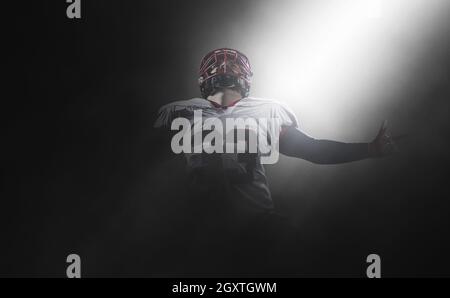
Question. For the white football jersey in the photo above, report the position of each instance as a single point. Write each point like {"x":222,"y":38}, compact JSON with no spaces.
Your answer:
{"x":243,"y":174}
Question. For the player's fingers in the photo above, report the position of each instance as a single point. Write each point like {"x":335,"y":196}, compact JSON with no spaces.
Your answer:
{"x":382,"y":129}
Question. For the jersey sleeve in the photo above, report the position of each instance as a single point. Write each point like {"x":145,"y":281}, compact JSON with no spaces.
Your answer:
{"x":164,"y":117}
{"x":286,"y":116}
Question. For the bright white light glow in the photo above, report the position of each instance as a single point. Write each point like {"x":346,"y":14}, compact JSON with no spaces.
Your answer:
{"x":335,"y":62}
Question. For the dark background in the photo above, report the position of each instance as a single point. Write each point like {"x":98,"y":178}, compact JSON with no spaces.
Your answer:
{"x":80,"y":173}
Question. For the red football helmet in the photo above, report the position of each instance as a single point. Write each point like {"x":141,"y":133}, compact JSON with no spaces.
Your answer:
{"x":225,"y":68}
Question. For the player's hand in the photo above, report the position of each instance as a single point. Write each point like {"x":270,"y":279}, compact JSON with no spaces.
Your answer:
{"x":384,"y":144}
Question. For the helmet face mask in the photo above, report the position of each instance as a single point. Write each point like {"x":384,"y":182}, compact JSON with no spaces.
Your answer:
{"x":225,"y":68}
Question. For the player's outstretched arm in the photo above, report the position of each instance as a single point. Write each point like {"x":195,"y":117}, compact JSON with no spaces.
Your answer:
{"x":295,"y":143}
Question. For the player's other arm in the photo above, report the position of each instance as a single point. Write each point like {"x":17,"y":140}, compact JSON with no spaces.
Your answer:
{"x":295,"y":143}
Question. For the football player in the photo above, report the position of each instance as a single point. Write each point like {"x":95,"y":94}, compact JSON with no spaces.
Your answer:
{"x":228,"y":212}
{"x":225,"y":78}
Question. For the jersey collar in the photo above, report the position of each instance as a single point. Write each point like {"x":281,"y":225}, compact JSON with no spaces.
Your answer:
{"x":219,"y":106}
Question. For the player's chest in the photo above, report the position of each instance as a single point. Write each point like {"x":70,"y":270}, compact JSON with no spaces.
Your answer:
{"x":235,"y":112}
